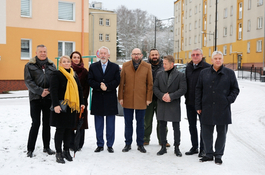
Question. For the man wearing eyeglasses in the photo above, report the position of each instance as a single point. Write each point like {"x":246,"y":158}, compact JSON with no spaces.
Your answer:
{"x":192,"y":72}
{"x":135,"y":94}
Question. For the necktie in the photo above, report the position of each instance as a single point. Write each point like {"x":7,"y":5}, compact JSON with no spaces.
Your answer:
{"x":103,"y":68}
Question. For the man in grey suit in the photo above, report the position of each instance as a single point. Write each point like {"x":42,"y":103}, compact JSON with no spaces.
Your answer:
{"x":169,"y":86}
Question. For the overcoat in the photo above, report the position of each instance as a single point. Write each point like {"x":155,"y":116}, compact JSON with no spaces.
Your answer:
{"x":175,"y":85}
{"x":136,"y":86}
{"x":104,"y":102}
{"x":215,"y":91}
{"x":58,"y":84}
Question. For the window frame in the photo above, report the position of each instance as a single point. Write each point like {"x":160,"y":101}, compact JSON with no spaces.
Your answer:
{"x":225,"y":31}
{"x":107,"y":22}
{"x":63,"y":47}
{"x":248,"y":47}
{"x":107,"y":37}
{"x":100,"y":37}
{"x":101,"y":22}
{"x":29,"y":8}
{"x":259,"y":45}
{"x":30,"y":49}
{"x":73,"y":10}
{"x":259,"y":23}
{"x":224,"y":49}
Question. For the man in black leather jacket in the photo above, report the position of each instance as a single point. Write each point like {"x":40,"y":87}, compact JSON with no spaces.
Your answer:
{"x":37,"y":74}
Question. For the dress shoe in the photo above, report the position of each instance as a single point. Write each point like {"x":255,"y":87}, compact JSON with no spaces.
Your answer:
{"x":146,"y":143}
{"x":202,"y":153}
{"x":192,"y":151}
{"x":141,"y":149}
{"x":218,"y":161}
{"x":167,"y":144}
{"x":177,"y":152}
{"x":205,"y":159}
{"x":49,"y":151}
{"x":67,"y":155}
{"x":59,"y":158}
{"x":30,"y":154}
{"x":162,"y":151}
{"x":98,"y":149}
{"x":110,"y":150}
{"x":126,"y":148}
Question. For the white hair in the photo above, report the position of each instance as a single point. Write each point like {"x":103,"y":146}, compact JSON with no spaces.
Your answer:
{"x":104,"y":47}
{"x":197,"y":49}
{"x":217,"y":53}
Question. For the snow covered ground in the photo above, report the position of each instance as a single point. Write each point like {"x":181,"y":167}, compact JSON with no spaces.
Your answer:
{"x":244,"y":153}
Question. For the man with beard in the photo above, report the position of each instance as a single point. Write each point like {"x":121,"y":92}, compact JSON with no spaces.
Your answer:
{"x":157,"y":65}
{"x":135,"y":94}
{"x":104,"y":78}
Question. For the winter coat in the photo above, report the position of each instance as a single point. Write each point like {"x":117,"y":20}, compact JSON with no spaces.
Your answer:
{"x":175,"y":85}
{"x":82,"y":74}
{"x":136,"y":86}
{"x":215,"y":91}
{"x":155,"y":69}
{"x":192,"y":76}
{"x":36,"y":79}
{"x":104,"y":102}
{"x":57,"y":90}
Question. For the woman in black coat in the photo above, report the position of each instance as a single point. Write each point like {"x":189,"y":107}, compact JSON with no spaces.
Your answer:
{"x":65,"y":86}
{"x":81,"y":71}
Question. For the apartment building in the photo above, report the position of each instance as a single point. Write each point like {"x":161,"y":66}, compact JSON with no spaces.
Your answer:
{"x":61,"y":25}
{"x":103,"y":30}
{"x":240,"y":30}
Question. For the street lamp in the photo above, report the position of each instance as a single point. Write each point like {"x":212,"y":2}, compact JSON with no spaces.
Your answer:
{"x":214,"y":43}
{"x":155,"y":27}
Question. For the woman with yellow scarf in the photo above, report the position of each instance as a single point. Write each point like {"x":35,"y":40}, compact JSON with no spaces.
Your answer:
{"x":65,"y":87}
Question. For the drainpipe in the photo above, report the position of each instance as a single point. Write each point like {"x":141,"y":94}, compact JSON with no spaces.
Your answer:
{"x":82,"y":34}
{"x":263,"y":42}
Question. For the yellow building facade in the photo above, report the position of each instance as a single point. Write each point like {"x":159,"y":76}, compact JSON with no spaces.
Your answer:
{"x":240,"y":31}
{"x":62,"y":26}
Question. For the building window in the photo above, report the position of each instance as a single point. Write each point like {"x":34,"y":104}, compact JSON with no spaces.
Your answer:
{"x":189,"y":40}
{"x":107,"y":37}
{"x":248,"y":47}
{"x":210,"y":52}
{"x":239,"y":31}
{"x":25,"y":8}
{"x":231,"y":48}
{"x":107,"y":22}
{"x":100,"y":37}
{"x":195,"y":39}
{"x":259,"y":46}
{"x":210,"y":19}
{"x":190,"y":27}
{"x":185,"y":41}
{"x":231,"y":30}
{"x":225,"y":50}
{"x":204,"y":24}
{"x":205,"y":40}
{"x":190,"y":12}
{"x":65,"y":48}
{"x":210,"y":3}
{"x":249,"y":26}
{"x":249,"y":4}
{"x":199,"y":38}
{"x":217,"y":16}
{"x":25,"y":49}
{"x":101,"y":21}
{"x":260,"y":2}
{"x":231,"y":11}
{"x":260,"y":19}
{"x":225,"y":12}
{"x":199,"y":7}
{"x":196,"y":10}
{"x":66,"y":11}
{"x":240,"y":10}
{"x":205,"y":8}
{"x":185,"y":28}
{"x":196,"y":25}
{"x":189,"y":55}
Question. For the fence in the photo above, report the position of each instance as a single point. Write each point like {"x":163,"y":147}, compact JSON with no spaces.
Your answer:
{"x":251,"y":73}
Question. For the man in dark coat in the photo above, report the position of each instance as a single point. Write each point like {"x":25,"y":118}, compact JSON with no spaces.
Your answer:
{"x":157,"y":66}
{"x":192,"y":72}
{"x":104,"y":78}
{"x":37,"y":75}
{"x":169,"y":86}
{"x":216,"y":90}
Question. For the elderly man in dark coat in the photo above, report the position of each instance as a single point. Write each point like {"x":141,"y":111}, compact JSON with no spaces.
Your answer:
{"x":104,"y":78}
{"x":216,"y":90}
{"x":169,"y":86}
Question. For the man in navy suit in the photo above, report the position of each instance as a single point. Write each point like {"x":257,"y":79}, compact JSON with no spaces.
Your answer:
{"x":104,"y":78}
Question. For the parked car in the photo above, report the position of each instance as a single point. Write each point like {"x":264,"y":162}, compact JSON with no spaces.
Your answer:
{"x":180,"y":67}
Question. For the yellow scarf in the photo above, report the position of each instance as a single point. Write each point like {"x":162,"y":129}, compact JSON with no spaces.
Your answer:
{"x":71,"y":96}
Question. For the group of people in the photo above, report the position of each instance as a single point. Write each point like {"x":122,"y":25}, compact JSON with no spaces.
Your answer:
{"x":144,"y":88}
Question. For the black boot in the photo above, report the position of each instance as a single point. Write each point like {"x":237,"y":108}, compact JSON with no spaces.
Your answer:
{"x":59,"y":158}
{"x":177,"y":151}
{"x":67,"y":155}
{"x":162,"y":151}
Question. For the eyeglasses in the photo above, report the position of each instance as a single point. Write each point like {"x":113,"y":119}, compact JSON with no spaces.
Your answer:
{"x":138,"y":54}
{"x":193,"y":55}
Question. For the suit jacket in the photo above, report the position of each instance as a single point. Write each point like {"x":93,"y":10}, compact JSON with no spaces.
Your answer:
{"x":215,"y":91}
{"x":175,"y":85}
{"x":136,"y":86}
{"x":104,"y":102}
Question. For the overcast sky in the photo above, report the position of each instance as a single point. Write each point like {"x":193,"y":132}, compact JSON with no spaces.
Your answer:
{"x":162,"y":9}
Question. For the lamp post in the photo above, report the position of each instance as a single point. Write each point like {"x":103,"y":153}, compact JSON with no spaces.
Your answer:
{"x":155,"y":27}
{"x":215,"y":24}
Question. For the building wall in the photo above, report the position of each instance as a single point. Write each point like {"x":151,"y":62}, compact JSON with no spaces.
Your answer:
{"x":96,"y":29}
{"x":43,"y":27}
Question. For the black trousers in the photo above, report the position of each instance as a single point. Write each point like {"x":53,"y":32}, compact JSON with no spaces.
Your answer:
{"x":62,"y":135}
{"x":207,"y":135}
{"x":163,"y":132}
{"x":36,"y":107}
{"x":192,"y":118}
